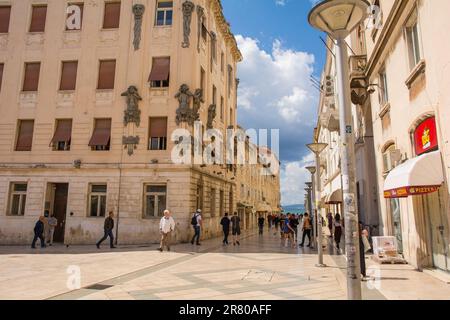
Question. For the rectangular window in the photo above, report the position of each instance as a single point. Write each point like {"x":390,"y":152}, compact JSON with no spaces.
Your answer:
{"x":155,"y":201}
{"x":164,"y":13}
{"x":199,"y":197}
{"x":111,"y":18}
{"x":230,"y":79}
{"x":222,"y":62}
{"x":384,"y":95}
{"x":231,"y":117}
{"x":17,"y":199}
{"x":38,"y":17}
{"x":31,"y":78}
{"x":413,"y":40}
{"x":214,"y":95}
{"x":106,"y":74}
{"x":212,"y":204}
{"x":101,"y":137}
{"x":97,"y":200}
{"x":63,"y":135}
{"x":202,"y":80}
{"x":222,"y":106}
{"x":1,"y":75}
{"x":160,"y":74}
{"x":73,"y":23}
{"x":221,"y":203}
{"x":5,"y":15}
{"x":68,"y":76}
{"x":25,"y":135}
{"x":158,"y":134}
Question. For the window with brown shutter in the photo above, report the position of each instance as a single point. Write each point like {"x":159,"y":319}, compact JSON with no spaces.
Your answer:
{"x":158,"y":134}
{"x":106,"y":74}
{"x":5,"y":14}
{"x":159,"y":77}
{"x":68,"y":75}
{"x":25,"y":135}
{"x":1,"y":75}
{"x":111,"y":18}
{"x":101,"y":137}
{"x":63,"y":135}
{"x":31,"y":78}
{"x":70,"y":15}
{"x":38,"y":17}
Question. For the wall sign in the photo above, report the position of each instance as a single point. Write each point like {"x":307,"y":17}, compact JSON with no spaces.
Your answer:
{"x":425,"y":136}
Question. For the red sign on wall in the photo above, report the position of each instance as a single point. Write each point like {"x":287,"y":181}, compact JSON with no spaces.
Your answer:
{"x":425,"y":136}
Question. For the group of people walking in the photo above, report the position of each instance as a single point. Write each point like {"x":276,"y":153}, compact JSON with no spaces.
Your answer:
{"x":44,"y":230}
{"x":289,"y":225}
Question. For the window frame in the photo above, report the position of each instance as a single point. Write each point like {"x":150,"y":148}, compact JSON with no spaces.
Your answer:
{"x":22,"y":199}
{"x":165,"y":11}
{"x":37,"y":5}
{"x":161,"y":140}
{"x":157,"y":195}
{"x":384,"y":90}
{"x":100,"y":195}
{"x":104,"y":15}
{"x":98,"y":73}
{"x":25,"y":76}
{"x":413,"y":38}
{"x":9,"y":18}
{"x":62,"y":73}
{"x":67,"y":144}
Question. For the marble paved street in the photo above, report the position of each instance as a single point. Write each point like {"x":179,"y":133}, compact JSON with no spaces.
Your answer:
{"x":261,"y":268}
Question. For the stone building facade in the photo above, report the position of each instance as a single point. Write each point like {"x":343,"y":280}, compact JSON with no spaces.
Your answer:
{"x":91,"y":95}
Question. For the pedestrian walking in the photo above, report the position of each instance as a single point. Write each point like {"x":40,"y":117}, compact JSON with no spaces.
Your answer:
{"x":236,"y":229}
{"x":330,"y":223}
{"x":225,"y":222}
{"x":362,"y":255}
{"x":288,"y":231}
{"x":307,"y":227}
{"x":261,"y":224}
{"x":39,"y":233}
{"x":196,"y":223}
{"x":269,"y":221}
{"x":166,"y":227}
{"x":337,"y":230}
{"x":52,"y":223}
{"x":108,"y":228}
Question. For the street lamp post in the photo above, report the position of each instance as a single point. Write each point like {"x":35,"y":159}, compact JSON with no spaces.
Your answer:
{"x":338,"y":18}
{"x":312,"y":198}
{"x":317,"y":148}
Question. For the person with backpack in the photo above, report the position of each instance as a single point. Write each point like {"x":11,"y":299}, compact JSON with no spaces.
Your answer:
{"x":196,"y":223}
{"x":225,"y":222}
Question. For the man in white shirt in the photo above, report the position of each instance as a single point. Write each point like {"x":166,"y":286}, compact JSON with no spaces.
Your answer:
{"x":166,"y":227}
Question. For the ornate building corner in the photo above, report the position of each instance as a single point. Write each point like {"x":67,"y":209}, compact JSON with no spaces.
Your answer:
{"x":211,"y":116}
{"x":188,"y":8}
{"x":132,"y":113}
{"x":184,"y":112}
{"x":200,"y":16}
{"x":130,"y":143}
{"x":138,"y":11}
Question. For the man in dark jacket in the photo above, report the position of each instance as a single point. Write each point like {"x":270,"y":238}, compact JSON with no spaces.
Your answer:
{"x":261,"y":224}
{"x":39,"y":233}
{"x":225,"y":222}
{"x":109,"y":227}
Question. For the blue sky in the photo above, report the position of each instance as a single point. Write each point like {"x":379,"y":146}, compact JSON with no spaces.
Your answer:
{"x":281,"y":51}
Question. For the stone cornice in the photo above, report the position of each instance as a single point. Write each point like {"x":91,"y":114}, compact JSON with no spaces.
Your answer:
{"x":224,"y":27}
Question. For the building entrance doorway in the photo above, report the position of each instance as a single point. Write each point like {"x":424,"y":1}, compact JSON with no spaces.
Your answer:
{"x":56,"y":204}
{"x":396,"y":222}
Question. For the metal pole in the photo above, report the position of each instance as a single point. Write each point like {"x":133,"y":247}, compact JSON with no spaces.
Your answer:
{"x":348,"y":174}
{"x":318,"y":213}
{"x":313,"y":207}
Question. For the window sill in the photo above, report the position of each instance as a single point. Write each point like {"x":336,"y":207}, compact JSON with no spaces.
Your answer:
{"x":385,"y":109}
{"x":415,"y":73}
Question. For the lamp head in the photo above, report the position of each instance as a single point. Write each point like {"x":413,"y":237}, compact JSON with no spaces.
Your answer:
{"x":311,"y":169}
{"x":338,"y":18}
{"x":317,"y":148}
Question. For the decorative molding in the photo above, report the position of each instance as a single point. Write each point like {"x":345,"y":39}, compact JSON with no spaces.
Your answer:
{"x":72,"y":38}
{"x":65,"y":99}
{"x":200,"y":17}
{"x":28,"y":99}
{"x":104,"y":97}
{"x":188,"y":8}
{"x":184,"y":112}
{"x":35,"y":39}
{"x":130,"y":143}
{"x":109,"y":35}
{"x":132,"y":113}
{"x":138,"y":11}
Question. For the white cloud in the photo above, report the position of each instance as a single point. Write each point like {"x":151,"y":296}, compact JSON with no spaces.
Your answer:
{"x":293,"y":178}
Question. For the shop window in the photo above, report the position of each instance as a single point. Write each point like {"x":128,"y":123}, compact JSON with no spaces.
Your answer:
{"x":155,"y":201}
{"x":17,"y":199}
{"x":97,"y":200}
{"x":164,"y":13}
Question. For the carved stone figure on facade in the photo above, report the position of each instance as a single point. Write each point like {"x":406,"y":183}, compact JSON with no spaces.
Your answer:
{"x":211,"y":116}
{"x":200,"y":16}
{"x":138,"y":11}
{"x":198,"y":100}
{"x":188,"y":8}
{"x":130,"y":143}
{"x":132,"y":113}
{"x":183,"y":96}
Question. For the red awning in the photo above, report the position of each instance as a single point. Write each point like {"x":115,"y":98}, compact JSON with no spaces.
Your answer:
{"x":102,"y":133}
{"x":160,"y":69}
{"x":63,"y":132}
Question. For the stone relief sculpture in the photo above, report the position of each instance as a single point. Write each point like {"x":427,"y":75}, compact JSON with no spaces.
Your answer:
{"x":200,"y":15}
{"x":138,"y":11}
{"x":211,"y":116}
{"x":132,"y":113}
{"x":188,"y":8}
{"x":184,"y":112}
{"x":130,"y":143}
